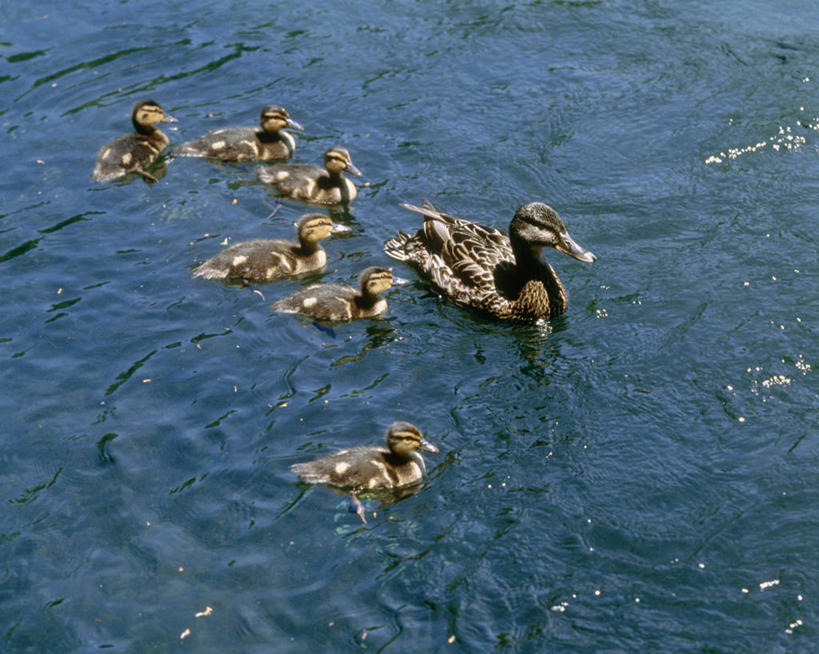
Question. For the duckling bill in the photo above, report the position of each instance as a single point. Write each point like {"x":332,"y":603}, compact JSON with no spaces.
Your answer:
{"x":312,"y":184}
{"x":248,"y":143}
{"x":337,"y":303}
{"x":265,"y":260}
{"x":134,"y":153}
{"x":373,"y":468}
{"x":485,"y":269}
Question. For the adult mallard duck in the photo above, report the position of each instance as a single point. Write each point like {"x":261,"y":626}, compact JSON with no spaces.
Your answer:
{"x":134,"y":153}
{"x":337,"y":303}
{"x":313,"y":184}
{"x":248,"y":143}
{"x":483,"y":268}
{"x":265,"y":260}
{"x":363,"y":469}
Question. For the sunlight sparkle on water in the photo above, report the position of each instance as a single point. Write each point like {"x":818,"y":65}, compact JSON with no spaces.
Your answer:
{"x":802,"y":365}
{"x":784,"y":139}
{"x":793,"y":625}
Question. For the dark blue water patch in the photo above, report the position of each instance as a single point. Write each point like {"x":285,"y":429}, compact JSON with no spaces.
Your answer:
{"x":636,"y":476}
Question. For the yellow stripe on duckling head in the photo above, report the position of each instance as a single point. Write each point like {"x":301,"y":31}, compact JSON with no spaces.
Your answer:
{"x":376,"y":280}
{"x":337,"y":160}
{"x":274,"y":117}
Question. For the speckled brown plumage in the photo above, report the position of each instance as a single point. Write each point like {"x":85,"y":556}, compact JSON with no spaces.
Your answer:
{"x":372,"y":468}
{"x":266,"y":260}
{"x":134,"y":153}
{"x":247,"y":143}
{"x":482,"y":268}
{"x":313,"y":184}
{"x":337,"y":303}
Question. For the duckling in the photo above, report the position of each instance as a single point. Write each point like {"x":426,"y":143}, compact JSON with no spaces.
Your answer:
{"x":484,"y":269}
{"x":338,"y":303}
{"x":373,"y":468}
{"x":248,"y":143}
{"x":133,"y":153}
{"x":313,"y":184}
{"x":266,"y":260}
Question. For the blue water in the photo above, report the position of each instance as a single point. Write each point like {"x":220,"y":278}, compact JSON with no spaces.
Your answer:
{"x":639,"y":476}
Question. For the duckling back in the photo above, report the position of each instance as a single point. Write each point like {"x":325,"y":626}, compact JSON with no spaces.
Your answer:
{"x":361,"y":468}
{"x":372,"y":468}
{"x":337,"y":303}
{"x":248,"y":143}
{"x":309,"y":184}
{"x":331,"y":302}
{"x":313,"y":184}
{"x":134,"y":153}
{"x":131,"y":153}
{"x":266,"y":260}
{"x":239,"y":144}
{"x":261,"y":260}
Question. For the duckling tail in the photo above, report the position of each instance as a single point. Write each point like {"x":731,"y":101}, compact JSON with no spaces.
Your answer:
{"x":209,"y":272}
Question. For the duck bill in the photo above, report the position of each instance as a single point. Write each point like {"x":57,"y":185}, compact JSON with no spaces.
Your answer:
{"x":427,"y":446}
{"x":292,"y":124}
{"x":353,"y":170}
{"x":568,"y":246}
{"x":167,"y":118}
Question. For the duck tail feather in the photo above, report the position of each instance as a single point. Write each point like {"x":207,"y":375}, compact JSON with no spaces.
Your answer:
{"x":426,"y":210}
{"x":399,"y":246}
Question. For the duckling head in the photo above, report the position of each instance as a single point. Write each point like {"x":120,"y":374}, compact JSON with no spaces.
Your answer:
{"x":537,"y":225}
{"x":146,"y":114}
{"x":404,"y":438}
{"x":273,"y":118}
{"x":375,"y":280}
{"x":337,"y":160}
{"x":314,"y":227}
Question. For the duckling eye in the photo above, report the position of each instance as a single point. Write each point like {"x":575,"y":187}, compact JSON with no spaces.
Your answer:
{"x":148,"y":111}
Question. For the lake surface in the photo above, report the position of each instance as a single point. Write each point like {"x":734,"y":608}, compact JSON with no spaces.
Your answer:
{"x":638,"y":476}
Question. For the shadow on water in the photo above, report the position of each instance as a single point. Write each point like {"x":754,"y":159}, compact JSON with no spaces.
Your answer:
{"x":380,"y":333}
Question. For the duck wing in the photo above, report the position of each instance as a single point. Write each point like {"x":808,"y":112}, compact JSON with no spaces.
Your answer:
{"x":462,"y":249}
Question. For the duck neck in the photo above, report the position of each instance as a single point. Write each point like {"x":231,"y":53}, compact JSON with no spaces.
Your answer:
{"x":532,"y":267}
{"x":332,"y":181}
{"x":307,"y":248}
{"x":366,"y":300}
{"x":145,"y":130}
{"x":416,"y":456}
{"x":268,"y":137}
{"x":527,"y":257}
{"x":402,"y":458}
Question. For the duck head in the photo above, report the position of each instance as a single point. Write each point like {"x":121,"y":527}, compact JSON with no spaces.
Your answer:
{"x":273,"y":118}
{"x":537,"y":225}
{"x":146,"y":114}
{"x":404,"y":438}
{"x":375,"y":280}
{"x":337,"y":160}
{"x":315,"y":227}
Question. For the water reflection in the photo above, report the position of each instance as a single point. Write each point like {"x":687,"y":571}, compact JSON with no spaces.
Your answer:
{"x":384,"y":498}
{"x":379,"y":334}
